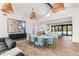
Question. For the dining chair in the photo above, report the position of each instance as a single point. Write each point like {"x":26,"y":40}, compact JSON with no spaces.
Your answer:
{"x":32,"y":39}
{"x":50,"y":41}
{"x":39,"y":41}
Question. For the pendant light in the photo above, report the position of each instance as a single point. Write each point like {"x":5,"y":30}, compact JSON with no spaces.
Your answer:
{"x":33,"y":14}
{"x":58,"y":7}
{"x":7,"y":8}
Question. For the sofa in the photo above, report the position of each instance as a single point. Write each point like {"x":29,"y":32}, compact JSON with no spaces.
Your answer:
{"x":14,"y":52}
{"x":6,"y":44}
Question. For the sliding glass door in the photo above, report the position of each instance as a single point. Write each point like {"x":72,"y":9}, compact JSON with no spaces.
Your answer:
{"x":53,"y":29}
{"x":60,"y":30}
{"x":64,"y":30}
{"x":69,"y":30}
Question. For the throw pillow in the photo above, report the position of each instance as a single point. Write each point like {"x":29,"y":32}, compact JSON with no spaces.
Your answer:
{"x":10,"y":43}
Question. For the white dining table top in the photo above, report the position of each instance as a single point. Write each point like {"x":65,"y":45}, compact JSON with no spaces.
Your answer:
{"x":42,"y":36}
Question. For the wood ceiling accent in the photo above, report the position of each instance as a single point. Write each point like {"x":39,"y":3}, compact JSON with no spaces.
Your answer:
{"x":58,"y":7}
{"x":7,"y":8}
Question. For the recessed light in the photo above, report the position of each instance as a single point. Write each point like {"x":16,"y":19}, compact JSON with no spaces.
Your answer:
{"x":48,"y":15}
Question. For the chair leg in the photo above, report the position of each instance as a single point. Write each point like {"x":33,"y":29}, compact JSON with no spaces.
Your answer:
{"x":54,"y":45}
{"x":46,"y":44}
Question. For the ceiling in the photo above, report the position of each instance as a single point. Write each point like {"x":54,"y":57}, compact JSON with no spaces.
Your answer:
{"x":65,"y":20}
{"x":24,"y":9}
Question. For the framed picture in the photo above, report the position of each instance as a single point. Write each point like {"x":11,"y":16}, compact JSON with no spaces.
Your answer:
{"x":16,"y":26}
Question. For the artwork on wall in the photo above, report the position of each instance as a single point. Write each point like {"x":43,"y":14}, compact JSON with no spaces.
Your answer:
{"x":16,"y":26}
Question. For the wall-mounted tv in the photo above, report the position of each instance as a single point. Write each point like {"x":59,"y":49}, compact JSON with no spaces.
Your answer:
{"x":16,"y":26}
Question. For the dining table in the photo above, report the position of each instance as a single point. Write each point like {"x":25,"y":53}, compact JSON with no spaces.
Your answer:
{"x":45,"y":39}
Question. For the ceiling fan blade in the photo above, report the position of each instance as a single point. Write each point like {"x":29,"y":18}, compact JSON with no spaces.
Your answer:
{"x":49,"y":5}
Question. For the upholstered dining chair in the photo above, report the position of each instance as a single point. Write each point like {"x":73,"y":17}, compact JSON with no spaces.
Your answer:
{"x":36,"y":40}
{"x":29,"y":38}
{"x":53,"y":42}
{"x":39,"y":41}
{"x":32,"y":39}
{"x":50,"y":41}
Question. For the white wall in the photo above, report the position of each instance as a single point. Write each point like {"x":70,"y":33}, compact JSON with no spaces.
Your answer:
{"x":76,"y":26}
{"x":3,"y":25}
{"x":29,"y":26}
